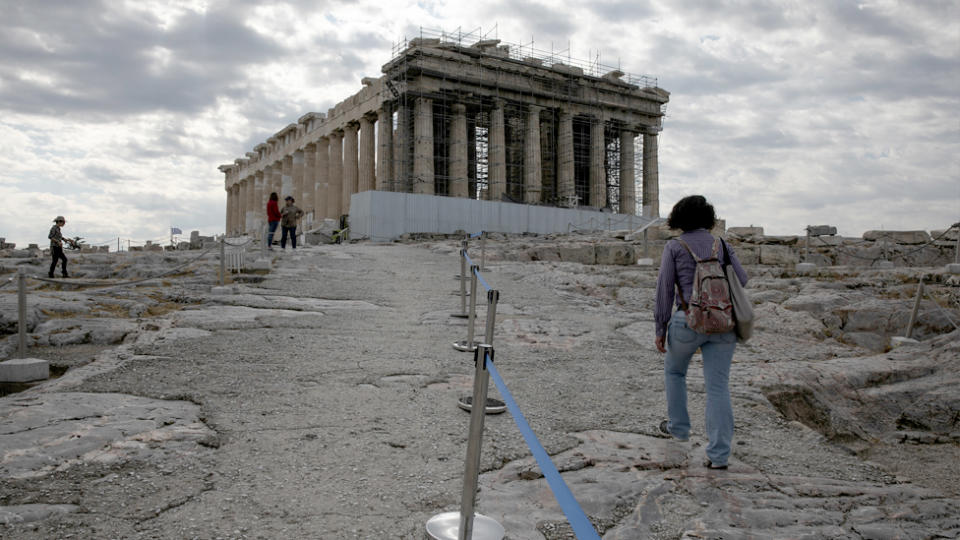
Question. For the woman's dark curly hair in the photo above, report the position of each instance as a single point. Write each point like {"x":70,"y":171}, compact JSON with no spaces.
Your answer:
{"x":691,"y":213}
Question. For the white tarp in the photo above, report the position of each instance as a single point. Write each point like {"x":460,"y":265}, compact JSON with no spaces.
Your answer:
{"x":385,"y":215}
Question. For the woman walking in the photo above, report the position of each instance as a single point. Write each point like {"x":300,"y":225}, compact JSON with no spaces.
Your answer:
{"x":695,"y":217}
{"x":273,"y":218}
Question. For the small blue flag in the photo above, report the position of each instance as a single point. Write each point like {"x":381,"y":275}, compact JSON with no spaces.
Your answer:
{"x":174,"y":230}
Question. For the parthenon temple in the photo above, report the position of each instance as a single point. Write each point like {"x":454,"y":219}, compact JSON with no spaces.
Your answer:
{"x":467,"y":117}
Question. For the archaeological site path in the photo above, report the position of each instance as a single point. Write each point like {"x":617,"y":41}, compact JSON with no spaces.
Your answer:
{"x":321,"y":402}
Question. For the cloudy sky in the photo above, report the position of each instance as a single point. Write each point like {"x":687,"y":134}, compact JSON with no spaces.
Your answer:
{"x":117,"y":113}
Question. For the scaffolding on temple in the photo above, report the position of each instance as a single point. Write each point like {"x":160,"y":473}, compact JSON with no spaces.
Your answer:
{"x":498,"y":122}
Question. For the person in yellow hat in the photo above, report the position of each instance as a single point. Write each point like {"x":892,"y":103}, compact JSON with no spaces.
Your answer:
{"x":56,"y":246}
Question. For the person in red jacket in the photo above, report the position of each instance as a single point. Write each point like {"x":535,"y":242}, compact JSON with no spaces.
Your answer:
{"x":273,"y":217}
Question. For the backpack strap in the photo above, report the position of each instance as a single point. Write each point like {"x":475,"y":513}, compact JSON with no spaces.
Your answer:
{"x":684,"y":244}
{"x":715,"y":250}
{"x":725,"y":261}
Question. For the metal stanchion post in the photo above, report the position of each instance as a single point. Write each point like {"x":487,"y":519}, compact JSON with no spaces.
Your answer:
{"x":493,"y":296}
{"x":223,"y":260}
{"x":916,"y":308}
{"x":483,"y":250}
{"x":463,"y":282}
{"x":469,"y":345}
{"x":22,"y":312}
{"x":481,"y":379}
{"x":466,"y":524}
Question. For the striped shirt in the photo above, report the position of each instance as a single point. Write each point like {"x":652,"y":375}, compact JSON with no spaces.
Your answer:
{"x":677,"y":268}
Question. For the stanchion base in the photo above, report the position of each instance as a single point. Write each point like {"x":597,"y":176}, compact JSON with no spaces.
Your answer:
{"x":494,"y":406}
{"x":463,"y":346}
{"x":447,"y":526}
{"x":457,"y":293}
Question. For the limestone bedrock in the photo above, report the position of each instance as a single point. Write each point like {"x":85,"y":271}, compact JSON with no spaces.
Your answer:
{"x":320,"y":401}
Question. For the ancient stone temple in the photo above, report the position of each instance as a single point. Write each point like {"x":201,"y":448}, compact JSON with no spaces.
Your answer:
{"x":472,"y":118}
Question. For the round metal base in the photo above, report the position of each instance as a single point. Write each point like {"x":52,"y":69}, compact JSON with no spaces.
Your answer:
{"x":457,"y":293}
{"x":494,"y":406}
{"x":447,"y":526}
{"x":463,"y":346}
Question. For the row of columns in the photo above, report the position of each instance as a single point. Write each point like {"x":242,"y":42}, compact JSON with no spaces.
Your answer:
{"x":324,"y":174}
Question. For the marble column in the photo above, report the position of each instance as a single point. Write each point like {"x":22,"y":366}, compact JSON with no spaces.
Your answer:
{"x":235,"y":209}
{"x":251,"y":207}
{"x":532,"y":162}
{"x":259,"y":210}
{"x":322,"y":179}
{"x":266,"y":175}
{"x":598,"y":173}
{"x":276,"y":182}
{"x":384,"y":149}
{"x":296,"y":172}
{"x":566,"y":188}
{"x":229,"y":210}
{"x":286,"y":179}
{"x":403,"y":139}
{"x":242,"y":207}
{"x":423,"y":146}
{"x":367,"y":164}
{"x":459,"y":185}
{"x":350,"y":166}
{"x":335,"y":175}
{"x":651,"y":177}
{"x":628,"y":178}
{"x":309,"y":180}
{"x":497,"y":153}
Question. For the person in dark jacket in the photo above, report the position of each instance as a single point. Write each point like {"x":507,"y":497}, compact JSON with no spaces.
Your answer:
{"x":291,"y":214}
{"x":56,"y":246}
{"x":695,"y":217}
{"x":273,"y":218}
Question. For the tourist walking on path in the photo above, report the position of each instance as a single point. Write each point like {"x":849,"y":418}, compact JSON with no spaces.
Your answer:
{"x":695,"y":217}
{"x":273,"y":218}
{"x":56,"y":246}
{"x":290,"y":215}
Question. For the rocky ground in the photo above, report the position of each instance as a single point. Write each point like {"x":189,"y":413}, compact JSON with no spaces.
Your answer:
{"x":319,"y":400}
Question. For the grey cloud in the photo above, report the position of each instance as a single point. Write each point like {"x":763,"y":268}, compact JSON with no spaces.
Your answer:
{"x":706,"y":73}
{"x":860,"y":18}
{"x":99,"y":173}
{"x":104,"y":64}
{"x":621,"y":10}
{"x":756,"y":14}
{"x":542,"y":20}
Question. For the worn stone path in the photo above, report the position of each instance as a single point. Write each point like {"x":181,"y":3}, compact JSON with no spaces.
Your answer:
{"x":321,"y":403}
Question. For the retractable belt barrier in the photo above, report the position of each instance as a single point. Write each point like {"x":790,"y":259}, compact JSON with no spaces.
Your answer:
{"x":467,"y":524}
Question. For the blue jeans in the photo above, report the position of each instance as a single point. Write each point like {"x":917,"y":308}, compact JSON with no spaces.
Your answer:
{"x":717,"y":350}
{"x":273,"y":229}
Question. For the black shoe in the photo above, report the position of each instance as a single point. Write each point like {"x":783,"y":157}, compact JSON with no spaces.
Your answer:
{"x":711,"y":465}
{"x":65,"y":275}
{"x":50,"y":275}
{"x":665,"y":431}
